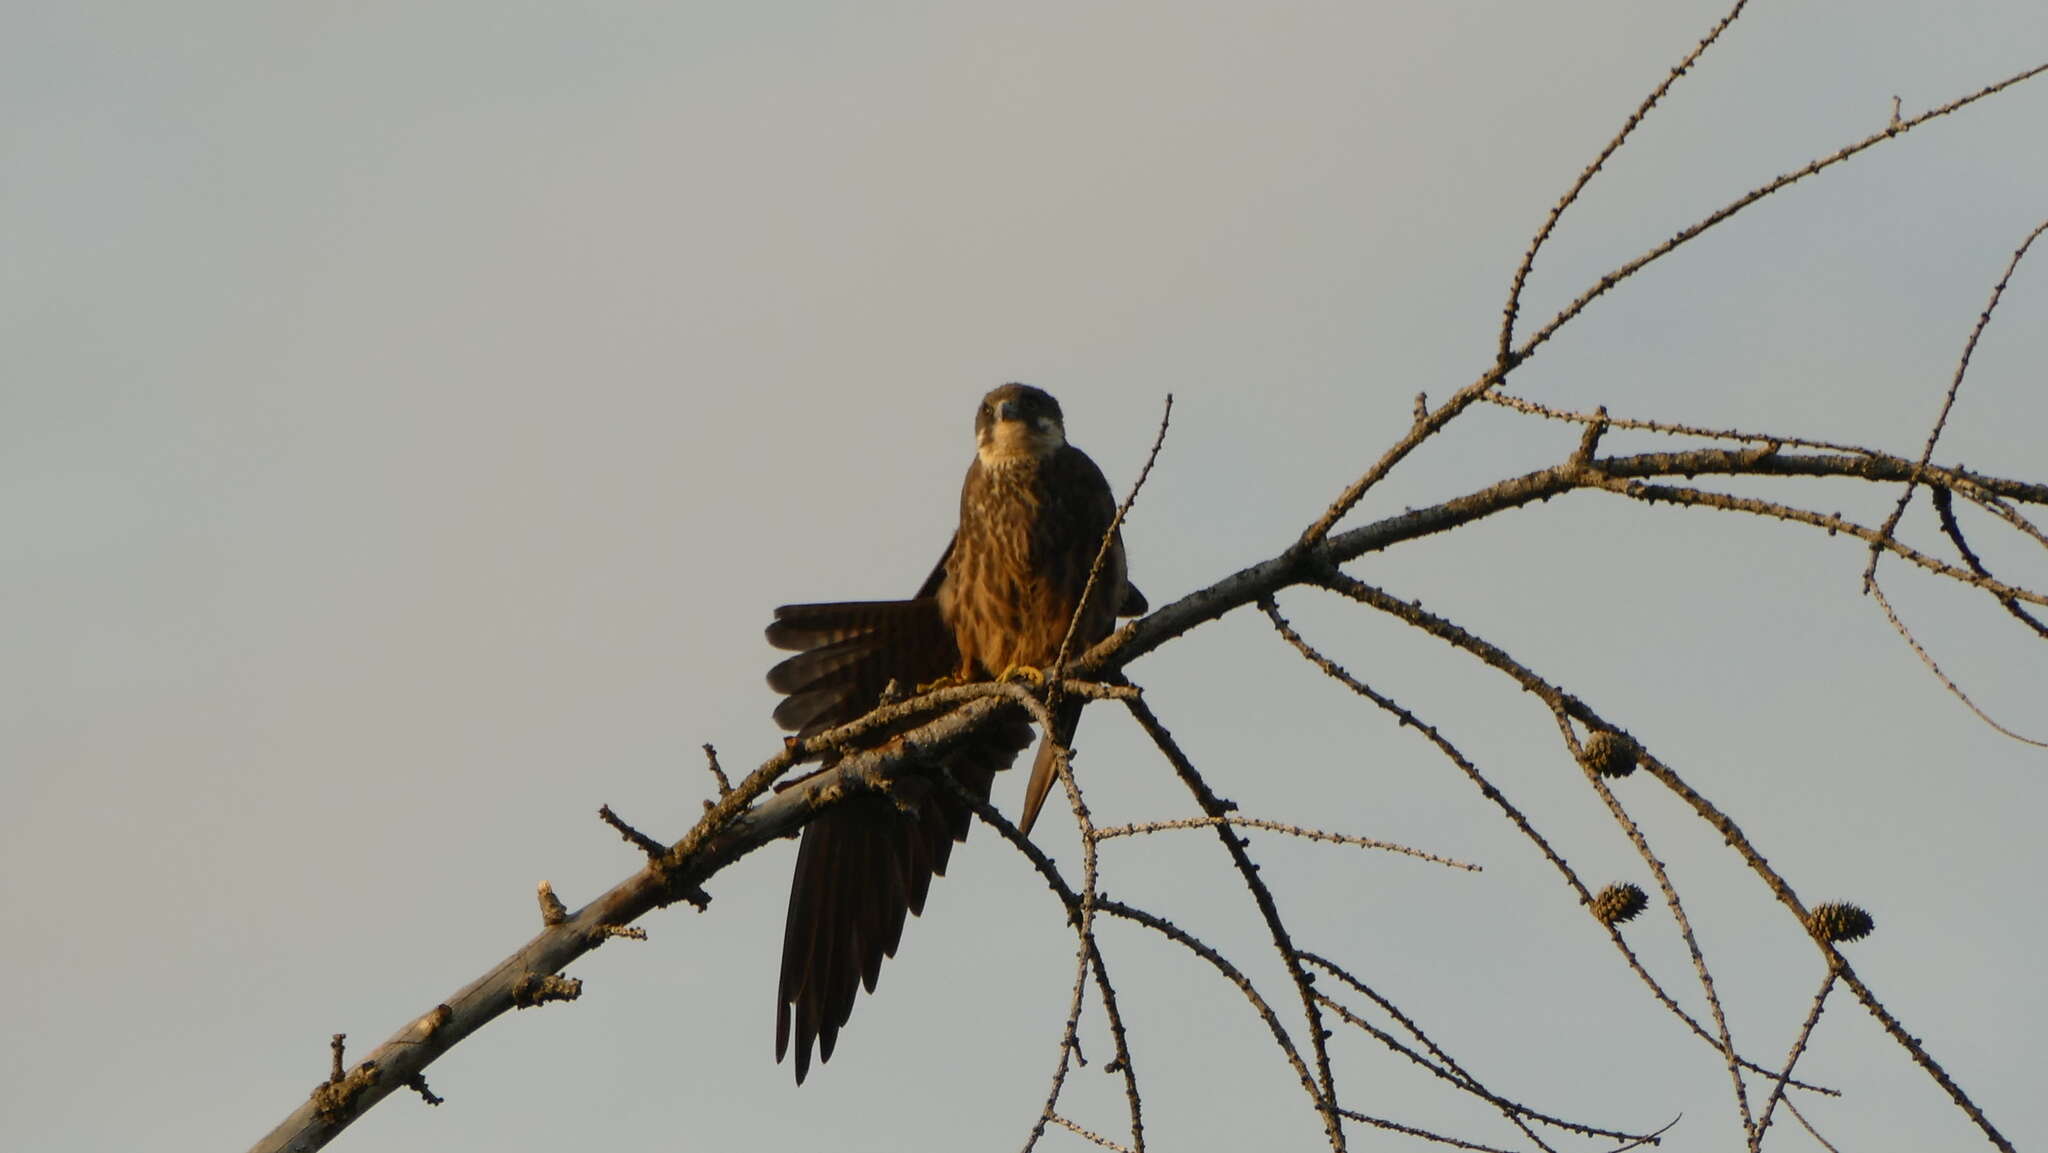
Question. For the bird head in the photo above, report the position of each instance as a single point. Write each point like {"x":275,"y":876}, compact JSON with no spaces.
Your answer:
{"x":1016,"y":423}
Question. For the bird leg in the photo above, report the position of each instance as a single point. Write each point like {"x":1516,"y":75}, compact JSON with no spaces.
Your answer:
{"x":1023,"y":673}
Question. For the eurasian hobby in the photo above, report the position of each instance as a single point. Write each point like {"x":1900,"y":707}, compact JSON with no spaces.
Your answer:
{"x":1033,"y":514}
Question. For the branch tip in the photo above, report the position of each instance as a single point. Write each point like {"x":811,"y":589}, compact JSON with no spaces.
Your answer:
{"x":717,"y":773}
{"x":1589,"y":440}
{"x":552,"y":911}
{"x":334,"y":1099}
{"x":656,"y":851}
{"x":538,"y":988}
{"x":418,"y":1084}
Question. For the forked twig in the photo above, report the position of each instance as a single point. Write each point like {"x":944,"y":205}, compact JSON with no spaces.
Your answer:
{"x":1369,"y":595}
{"x":1324,"y":1087}
{"x":1948,"y":402}
{"x":1763,"y":1121}
{"x":1505,"y":353}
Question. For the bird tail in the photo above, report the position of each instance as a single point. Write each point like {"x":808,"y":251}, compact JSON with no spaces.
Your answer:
{"x":1044,"y":768}
{"x":863,"y":866}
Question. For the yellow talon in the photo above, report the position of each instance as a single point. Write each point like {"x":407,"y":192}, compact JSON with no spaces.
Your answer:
{"x":1023,"y":673}
{"x":945,"y":682}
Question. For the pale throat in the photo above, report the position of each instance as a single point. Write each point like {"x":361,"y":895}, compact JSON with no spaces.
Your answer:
{"x":1011,"y":442}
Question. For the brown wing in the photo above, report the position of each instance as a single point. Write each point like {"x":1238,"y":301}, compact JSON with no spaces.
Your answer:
{"x":1078,"y":508}
{"x":847,"y":653}
{"x":866,"y":864}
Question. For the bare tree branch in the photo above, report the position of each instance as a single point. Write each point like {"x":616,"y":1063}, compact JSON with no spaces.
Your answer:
{"x":904,"y":739}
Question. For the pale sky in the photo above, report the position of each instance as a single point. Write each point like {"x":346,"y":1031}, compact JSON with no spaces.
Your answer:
{"x":410,"y":415}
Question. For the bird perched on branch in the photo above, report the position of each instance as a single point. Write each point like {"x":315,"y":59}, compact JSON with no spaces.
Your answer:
{"x":1034,"y":512}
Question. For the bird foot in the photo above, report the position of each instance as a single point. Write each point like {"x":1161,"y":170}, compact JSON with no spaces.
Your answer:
{"x":945,"y":682}
{"x":1023,"y":673}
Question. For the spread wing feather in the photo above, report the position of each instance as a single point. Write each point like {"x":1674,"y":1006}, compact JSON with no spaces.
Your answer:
{"x":847,"y":653}
{"x":865,"y":865}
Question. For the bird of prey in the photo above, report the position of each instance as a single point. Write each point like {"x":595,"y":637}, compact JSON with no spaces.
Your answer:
{"x":1033,"y":514}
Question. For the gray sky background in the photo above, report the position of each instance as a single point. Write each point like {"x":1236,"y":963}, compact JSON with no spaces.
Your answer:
{"x":409,"y":415}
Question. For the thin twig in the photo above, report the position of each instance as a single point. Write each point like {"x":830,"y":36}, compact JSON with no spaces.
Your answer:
{"x":1912,"y":1045}
{"x":1429,"y":424}
{"x":1304,"y":833}
{"x":1521,"y":404}
{"x":1810,"y":1130}
{"x":1737,"y":840}
{"x":1692,"y":232}
{"x":1763,"y":1121}
{"x":1944,"y":508}
{"x":1089,"y":1135}
{"x":1109,"y":536}
{"x":1269,"y":910}
{"x":1412,"y":1131}
{"x":1505,"y":354}
{"x":1634,"y":832}
{"x":1235,"y":976}
{"x":1926,"y":658}
{"x":1955,"y":386}
{"x":1513,"y":1115}
{"x":1557,"y":699}
{"x":2000,"y":508}
{"x":1087,"y":950}
{"x":1601,"y":476}
{"x":1073,"y":903}
{"x":717,"y":773}
{"x":1442,"y":1064}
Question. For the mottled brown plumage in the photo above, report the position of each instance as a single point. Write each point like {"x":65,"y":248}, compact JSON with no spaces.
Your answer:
{"x":1033,"y":512}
